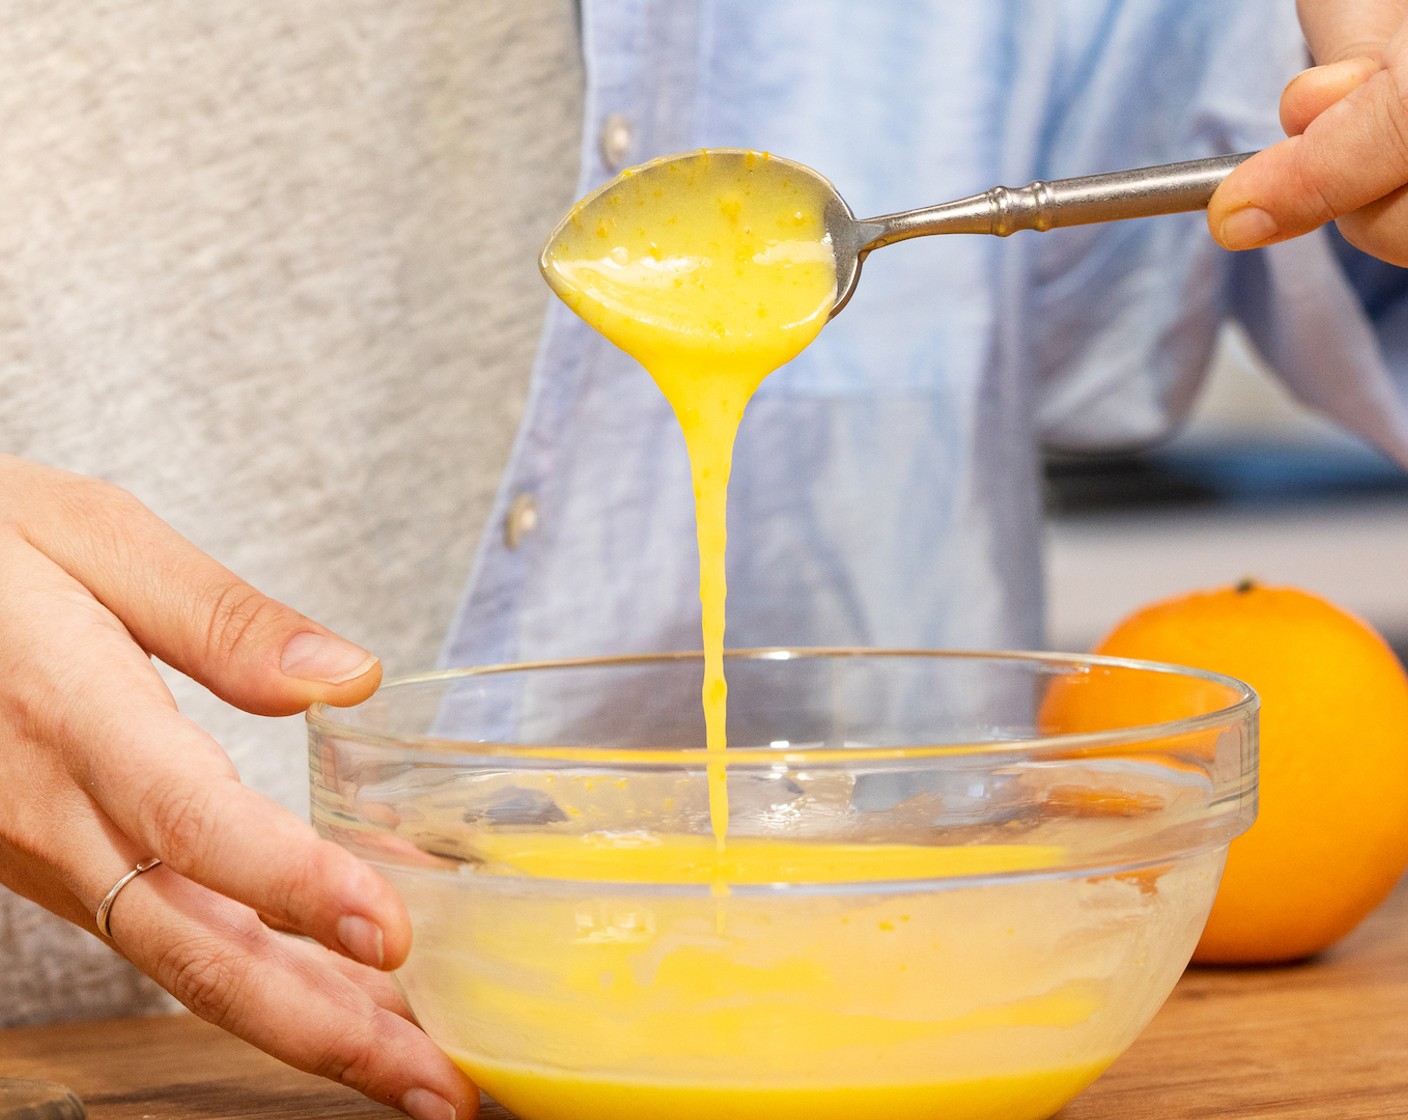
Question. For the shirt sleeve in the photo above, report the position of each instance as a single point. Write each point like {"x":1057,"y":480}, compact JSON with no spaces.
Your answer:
{"x":1332,"y":323}
{"x":1129,"y":311}
{"x":1382,"y":291}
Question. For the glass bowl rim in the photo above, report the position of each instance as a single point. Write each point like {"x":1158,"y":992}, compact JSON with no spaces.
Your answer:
{"x":320,"y":716}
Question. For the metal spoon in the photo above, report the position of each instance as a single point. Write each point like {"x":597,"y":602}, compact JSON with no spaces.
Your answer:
{"x":1170,"y":188}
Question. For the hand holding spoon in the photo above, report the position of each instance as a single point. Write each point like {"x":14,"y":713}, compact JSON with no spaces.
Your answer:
{"x":1139,"y":193}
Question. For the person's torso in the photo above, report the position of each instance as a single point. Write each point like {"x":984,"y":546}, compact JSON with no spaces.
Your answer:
{"x":271,"y":268}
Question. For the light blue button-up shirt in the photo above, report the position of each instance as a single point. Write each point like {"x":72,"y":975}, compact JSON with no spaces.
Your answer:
{"x":886,"y":486}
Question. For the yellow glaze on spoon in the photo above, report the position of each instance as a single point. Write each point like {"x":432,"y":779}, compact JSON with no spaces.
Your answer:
{"x":711,"y":281}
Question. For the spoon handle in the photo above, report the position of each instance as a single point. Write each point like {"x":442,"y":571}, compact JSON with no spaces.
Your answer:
{"x":1170,"y":188}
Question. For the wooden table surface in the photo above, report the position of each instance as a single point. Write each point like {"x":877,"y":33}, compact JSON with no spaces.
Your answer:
{"x":1327,"y":1039}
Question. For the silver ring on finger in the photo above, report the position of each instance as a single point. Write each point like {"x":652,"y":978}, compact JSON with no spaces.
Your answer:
{"x":105,"y":907}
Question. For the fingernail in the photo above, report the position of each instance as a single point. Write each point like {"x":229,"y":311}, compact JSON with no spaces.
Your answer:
{"x":422,"y":1104}
{"x":321,"y":657}
{"x":1247,"y":228}
{"x":362,"y":938}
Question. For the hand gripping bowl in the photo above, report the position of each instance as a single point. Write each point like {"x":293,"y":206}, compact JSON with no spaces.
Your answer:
{"x":952,"y":885}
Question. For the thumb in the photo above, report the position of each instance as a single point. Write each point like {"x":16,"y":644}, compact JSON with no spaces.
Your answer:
{"x":1347,"y":118}
{"x":1351,"y":155}
{"x":183,"y":607}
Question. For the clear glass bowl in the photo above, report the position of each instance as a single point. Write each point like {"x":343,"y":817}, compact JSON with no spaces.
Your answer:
{"x":952,"y":885}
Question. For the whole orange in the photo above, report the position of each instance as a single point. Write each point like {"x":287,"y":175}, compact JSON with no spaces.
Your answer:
{"x":1331,"y":835}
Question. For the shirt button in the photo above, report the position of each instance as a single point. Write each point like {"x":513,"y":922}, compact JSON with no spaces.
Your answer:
{"x":615,"y":141}
{"x":521,"y":519}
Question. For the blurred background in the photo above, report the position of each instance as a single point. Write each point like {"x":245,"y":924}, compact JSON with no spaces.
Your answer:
{"x":1254,"y":486}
